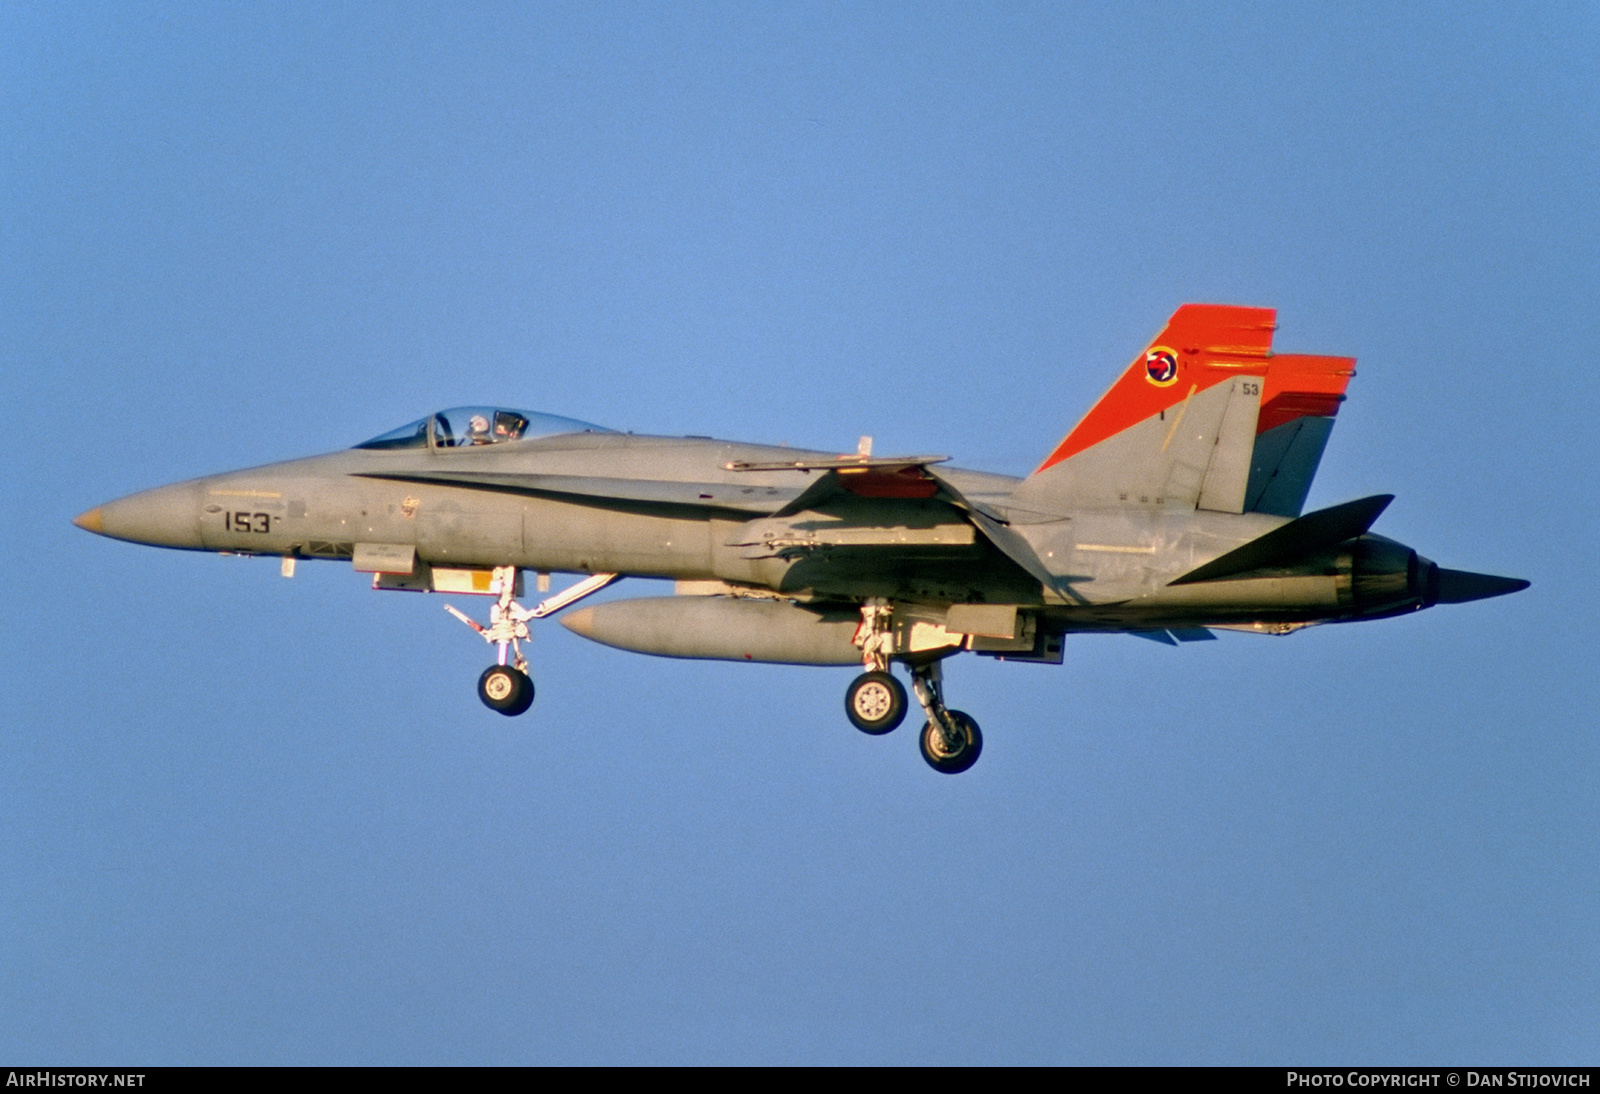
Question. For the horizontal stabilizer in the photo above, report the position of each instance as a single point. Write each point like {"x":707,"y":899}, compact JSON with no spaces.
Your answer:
{"x":1460,"y":586}
{"x":1293,"y":541}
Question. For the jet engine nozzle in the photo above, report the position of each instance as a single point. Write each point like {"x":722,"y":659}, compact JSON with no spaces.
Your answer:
{"x":1387,"y":578}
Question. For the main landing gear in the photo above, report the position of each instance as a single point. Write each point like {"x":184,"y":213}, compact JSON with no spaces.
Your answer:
{"x":506,"y":686}
{"x":876,"y":702}
{"x":950,"y":739}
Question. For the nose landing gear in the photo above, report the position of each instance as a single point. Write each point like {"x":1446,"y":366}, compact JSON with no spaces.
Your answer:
{"x":506,"y":687}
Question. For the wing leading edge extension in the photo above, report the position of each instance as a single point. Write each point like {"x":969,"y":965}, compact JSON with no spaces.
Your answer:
{"x":604,"y":492}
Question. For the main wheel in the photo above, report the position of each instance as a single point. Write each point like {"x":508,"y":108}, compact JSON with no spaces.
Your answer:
{"x":875,"y":702}
{"x":505,"y":689}
{"x":964,"y":755}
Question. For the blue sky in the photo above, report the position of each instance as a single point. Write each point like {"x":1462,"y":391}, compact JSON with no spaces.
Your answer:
{"x":254,"y":820}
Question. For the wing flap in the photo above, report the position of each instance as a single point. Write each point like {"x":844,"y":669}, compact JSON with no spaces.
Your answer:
{"x":845,"y":463}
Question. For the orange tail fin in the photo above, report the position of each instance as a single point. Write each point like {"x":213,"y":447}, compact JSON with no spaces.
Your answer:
{"x":1201,"y":346}
{"x":1206,"y":417}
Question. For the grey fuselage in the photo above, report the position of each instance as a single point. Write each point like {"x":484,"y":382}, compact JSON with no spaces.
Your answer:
{"x":672,"y":508}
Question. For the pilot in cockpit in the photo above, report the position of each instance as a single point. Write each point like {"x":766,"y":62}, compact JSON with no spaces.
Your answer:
{"x":508,"y":427}
{"x":478,"y":430}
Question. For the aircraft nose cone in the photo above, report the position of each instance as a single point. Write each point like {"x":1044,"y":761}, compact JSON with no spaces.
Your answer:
{"x":168,"y":516}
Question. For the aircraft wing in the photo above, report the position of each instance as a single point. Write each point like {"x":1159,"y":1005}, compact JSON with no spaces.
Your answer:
{"x":845,"y":464}
{"x":908,"y":478}
{"x":881,"y":477}
{"x":1005,"y":540}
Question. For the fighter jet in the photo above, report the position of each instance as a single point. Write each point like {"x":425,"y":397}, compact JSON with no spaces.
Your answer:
{"x":1173,"y":509}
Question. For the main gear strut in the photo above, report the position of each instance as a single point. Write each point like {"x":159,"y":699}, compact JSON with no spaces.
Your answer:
{"x":950,"y":739}
{"x":875,"y":702}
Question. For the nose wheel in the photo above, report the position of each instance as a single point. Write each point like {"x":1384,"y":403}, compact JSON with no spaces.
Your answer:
{"x":506,"y":689}
{"x":505,"y":686}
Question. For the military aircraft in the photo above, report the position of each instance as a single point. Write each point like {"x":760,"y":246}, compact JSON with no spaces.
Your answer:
{"x":1171,"y":510}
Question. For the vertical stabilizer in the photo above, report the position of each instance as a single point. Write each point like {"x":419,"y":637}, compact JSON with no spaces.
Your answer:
{"x":1177,"y":429}
{"x":1298,"y":405}
{"x":1228,"y":473}
{"x":1207,"y":417}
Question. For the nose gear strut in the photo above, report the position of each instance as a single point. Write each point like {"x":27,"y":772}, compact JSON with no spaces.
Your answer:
{"x":504,"y":687}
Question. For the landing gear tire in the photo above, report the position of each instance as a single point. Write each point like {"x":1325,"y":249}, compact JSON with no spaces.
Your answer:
{"x":954,"y":761}
{"x":505,"y":689}
{"x":875,"y":703}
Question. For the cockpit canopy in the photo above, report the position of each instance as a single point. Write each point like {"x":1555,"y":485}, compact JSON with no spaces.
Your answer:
{"x":469,"y":426}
